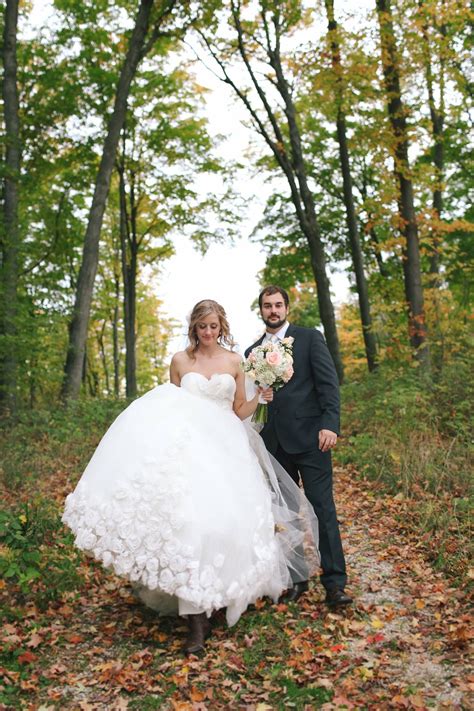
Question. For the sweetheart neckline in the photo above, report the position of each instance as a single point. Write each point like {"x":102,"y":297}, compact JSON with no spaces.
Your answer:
{"x":194,"y":372}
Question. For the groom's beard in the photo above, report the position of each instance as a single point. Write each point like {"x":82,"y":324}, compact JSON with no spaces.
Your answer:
{"x":274,"y":324}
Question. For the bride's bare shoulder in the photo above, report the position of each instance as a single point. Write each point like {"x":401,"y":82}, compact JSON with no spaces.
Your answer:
{"x":179,"y":358}
{"x":234,"y":356}
{"x":235,"y":360}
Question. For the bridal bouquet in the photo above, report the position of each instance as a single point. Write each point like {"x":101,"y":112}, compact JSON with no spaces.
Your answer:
{"x":269,"y":365}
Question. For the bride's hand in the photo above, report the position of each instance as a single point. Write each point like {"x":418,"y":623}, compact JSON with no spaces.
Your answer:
{"x":266,"y":394}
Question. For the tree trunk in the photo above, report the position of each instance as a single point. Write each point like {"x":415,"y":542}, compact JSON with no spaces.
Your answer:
{"x":103,"y":356}
{"x":11,"y":233}
{"x":80,"y":319}
{"x":130,"y":327}
{"x":437,"y":131}
{"x":292,"y":166}
{"x":128,"y":244}
{"x":397,"y":117}
{"x":295,"y":172}
{"x":351,"y":217}
{"x":90,"y":376}
{"x":115,"y":338}
{"x":310,"y":226}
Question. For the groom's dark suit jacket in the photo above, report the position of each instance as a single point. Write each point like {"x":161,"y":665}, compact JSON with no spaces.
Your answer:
{"x":309,"y":402}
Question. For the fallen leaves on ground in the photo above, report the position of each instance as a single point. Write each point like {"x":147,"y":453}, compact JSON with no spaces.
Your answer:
{"x":404,"y":644}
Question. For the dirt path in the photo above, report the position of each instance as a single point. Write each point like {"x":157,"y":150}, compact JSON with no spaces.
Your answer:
{"x":421,"y":629}
{"x":403,"y":645}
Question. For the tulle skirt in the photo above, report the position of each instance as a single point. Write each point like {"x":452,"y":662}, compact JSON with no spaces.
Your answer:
{"x":182,"y":499}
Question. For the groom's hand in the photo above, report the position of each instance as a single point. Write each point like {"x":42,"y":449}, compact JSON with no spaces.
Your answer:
{"x":327,"y":440}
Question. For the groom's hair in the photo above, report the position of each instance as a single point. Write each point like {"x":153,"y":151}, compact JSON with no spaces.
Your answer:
{"x":270,"y":290}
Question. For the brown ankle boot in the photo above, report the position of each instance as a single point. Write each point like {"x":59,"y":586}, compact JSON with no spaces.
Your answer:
{"x":199,"y":628}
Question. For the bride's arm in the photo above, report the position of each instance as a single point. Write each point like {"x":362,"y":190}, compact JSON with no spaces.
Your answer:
{"x":244,"y":408}
{"x":174,"y":370}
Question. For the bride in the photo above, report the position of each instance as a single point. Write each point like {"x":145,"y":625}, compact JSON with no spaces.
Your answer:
{"x":181,"y":497}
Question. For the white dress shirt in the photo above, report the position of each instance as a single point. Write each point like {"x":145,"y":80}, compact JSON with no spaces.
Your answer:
{"x":278,"y":336}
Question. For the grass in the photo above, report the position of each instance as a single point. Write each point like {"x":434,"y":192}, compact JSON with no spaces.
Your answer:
{"x":413,"y":437}
{"x":299,"y":697}
{"x":412,"y":440}
{"x":60,"y":439}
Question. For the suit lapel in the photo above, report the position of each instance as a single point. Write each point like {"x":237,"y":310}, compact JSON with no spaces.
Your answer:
{"x":290,"y":331}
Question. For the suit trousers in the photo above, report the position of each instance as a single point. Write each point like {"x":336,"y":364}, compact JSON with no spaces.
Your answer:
{"x":315,"y":471}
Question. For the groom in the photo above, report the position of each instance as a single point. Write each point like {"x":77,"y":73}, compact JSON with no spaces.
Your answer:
{"x":302,"y":428}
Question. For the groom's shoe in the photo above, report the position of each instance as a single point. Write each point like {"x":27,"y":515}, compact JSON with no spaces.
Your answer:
{"x":199,"y":629}
{"x":335,"y":597}
{"x":294,"y":593}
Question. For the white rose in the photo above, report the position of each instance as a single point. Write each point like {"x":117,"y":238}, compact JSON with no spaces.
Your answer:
{"x":171,"y":547}
{"x":121,"y":494}
{"x":182,"y":578}
{"x":152,"y":541}
{"x":166,"y":578}
{"x":133,"y":541}
{"x":101,"y":528}
{"x":152,"y":582}
{"x":107,"y":558}
{"x":91,"y":517}
{"x":207,"y":576}
{"x":123,"y":527}
{"x":152,"y":565}
{"x":123,"y":564}
{"x":116,"y":545}
{"x":86,"y":540}
{"x":141,"y":561}
{"x":143,"y":513}
{"x":178,"y":564}
{"x":164,"y":560}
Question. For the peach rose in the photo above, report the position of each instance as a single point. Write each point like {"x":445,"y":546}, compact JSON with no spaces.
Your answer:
{"x":273,"y":358}
{"x":289,"y":372}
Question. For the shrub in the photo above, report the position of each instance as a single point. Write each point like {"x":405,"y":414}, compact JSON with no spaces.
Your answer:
{"x":412,"y":435}
{"x":36,"y":552}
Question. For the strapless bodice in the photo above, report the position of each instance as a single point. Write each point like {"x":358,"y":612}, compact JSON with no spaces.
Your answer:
{"x":220,"y":387}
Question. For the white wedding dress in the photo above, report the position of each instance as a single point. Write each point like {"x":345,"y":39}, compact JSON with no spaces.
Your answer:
{"x":181,"y":498}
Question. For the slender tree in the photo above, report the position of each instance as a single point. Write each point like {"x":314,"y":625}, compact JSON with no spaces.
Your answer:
{"x":349,"y":203}
{"x":287,"y":152}
{"x":129,"y":246}
{"x":397,"y":114}
{"x":10,"y":237}
{"x":115,"y":327}
{"x":437,"y":118}
{"x":142,"y":39}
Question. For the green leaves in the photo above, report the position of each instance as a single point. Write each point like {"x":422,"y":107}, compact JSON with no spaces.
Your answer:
{"x":26,"y":554}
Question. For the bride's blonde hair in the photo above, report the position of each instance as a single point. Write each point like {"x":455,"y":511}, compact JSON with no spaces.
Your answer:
{"x":200,"y":311}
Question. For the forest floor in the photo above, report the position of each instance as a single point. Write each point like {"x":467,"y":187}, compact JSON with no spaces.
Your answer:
{"x":404,"y":644}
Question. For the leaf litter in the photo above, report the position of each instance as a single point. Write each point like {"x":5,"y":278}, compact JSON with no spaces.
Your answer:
{"x":404,"y":644}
